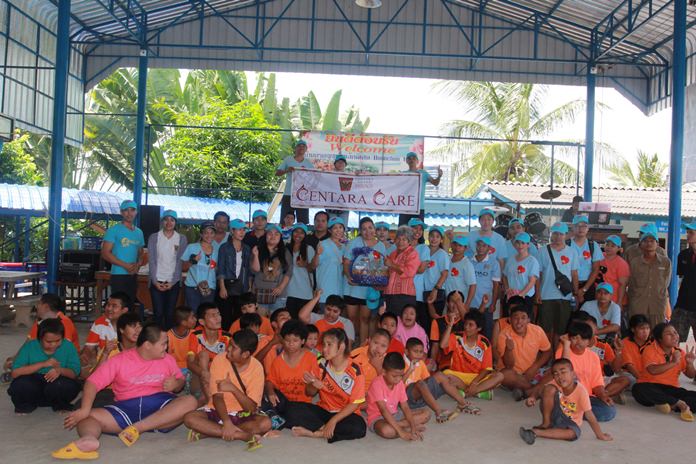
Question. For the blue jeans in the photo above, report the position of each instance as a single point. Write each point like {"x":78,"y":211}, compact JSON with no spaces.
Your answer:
{"x":602,"y":411}
{"x":163,"y":304}
{"x":194,"y":298}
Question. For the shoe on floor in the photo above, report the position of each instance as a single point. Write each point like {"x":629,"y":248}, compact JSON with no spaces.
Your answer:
{"x":619,"y":399}
{"x":686,"y":416}
{"x":485,"y":395}
{"x":527,"y":435}
{"x":664,"y":408}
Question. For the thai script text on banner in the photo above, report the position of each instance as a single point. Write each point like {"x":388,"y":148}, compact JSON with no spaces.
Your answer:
{"x":391,"y":193}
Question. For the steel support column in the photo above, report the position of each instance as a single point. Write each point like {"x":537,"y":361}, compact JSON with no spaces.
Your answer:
{"x":27,"y":238}
{"x":589,"y":135}
{"x":60,"y":84}
{"x":677,"y":150}
{"x":140,"y":128}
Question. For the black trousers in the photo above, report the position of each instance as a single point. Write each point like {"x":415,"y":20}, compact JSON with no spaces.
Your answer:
{"x":313,"y":417}
{"x":127,"y":284}
{"x":301,"y":214}
{"x":163,"y":304}
{"x":229,"y":309}
{"x":28,"y":392}
{"x":650,"y":394}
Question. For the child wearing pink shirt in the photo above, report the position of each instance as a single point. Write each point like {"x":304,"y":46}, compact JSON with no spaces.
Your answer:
{"x":408,"y":327}
{"x":143,"y":380}
{"x":386,"y":395}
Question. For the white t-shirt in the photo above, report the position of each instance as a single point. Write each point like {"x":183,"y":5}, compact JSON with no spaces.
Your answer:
{"x":167,"y":249}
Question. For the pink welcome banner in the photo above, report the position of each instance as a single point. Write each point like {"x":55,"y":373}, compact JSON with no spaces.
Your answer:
{"x":366,"y":153}
{"x":391,"y":193}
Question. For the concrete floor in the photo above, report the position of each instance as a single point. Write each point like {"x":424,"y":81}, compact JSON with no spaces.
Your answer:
{"x":641,"y":435}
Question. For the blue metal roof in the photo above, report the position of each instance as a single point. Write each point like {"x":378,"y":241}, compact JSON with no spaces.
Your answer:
{"x":33,"y":200}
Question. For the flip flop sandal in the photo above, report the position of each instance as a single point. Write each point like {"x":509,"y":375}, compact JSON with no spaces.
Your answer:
{"x":71,"y":451}
{"x":664,"y":408}
{"x":192,"y":436}
{"x":253,"y":444}
{"x":129,"y":435}
{"x":446,"y":416}
{"x":686,"y":416}
{"x":469,"y":409}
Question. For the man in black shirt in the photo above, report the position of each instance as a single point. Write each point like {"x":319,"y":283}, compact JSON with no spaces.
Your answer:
{"x":684,"y":315}
{"x":259,"y":219}
{"x":571,"y":212}
{"x":321,"y":231}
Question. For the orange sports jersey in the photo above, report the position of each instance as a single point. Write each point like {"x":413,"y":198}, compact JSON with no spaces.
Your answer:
{"x":266,"y":327}
{"x":102,"y":331}
{"x":198,"y":343}
{"x":395,"y":346}
{"x":290,"y":380}
{"x":340,"y":388}
{"x":70,"y":331}
{"x":420,"y":371}
{"x":652,"y":354}
{"x":322,"y":325}
{"x":437,"y":327}
{"x":178,"y":347}
{"x":631,"y":354}
{"x":360,"y":357}
{"x":604,"y":351}
{"x":470,"y":359}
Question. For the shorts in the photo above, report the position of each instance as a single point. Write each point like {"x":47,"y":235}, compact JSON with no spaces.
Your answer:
{"x":466,"y":377}
{"x":560,"y":421}
{"x":237,"y":418}
{"x":553,"y":315}
{"x":433,"y":386}
{"x":128,"y":412}
{"x":398,"y":416}
{"x":351,"y":300}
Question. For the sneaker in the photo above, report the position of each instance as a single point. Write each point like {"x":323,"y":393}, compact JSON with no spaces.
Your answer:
{"x":485,"y":395}
{"x":527,"y":435}
{"x":518,"y":394}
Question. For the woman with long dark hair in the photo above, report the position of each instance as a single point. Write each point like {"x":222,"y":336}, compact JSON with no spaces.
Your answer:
{"x":300,"y":287}
{"x":233,"y":273}
{"x":272,"y":263}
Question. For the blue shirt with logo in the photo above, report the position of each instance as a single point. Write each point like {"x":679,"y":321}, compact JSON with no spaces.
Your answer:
{"x":566,"y":262}
{"x":487,"y":272}
{"x":461,"y":276}
{"x":586,"y":258}
{"x":497,"y":250}
{"x":511,"y":251}
{"x":204,"y":269}
{"x":127,"y":244}
{"x":518,"y":273}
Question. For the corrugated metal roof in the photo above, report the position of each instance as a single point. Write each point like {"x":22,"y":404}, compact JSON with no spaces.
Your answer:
{"x":412,"y":38}
{"x":630,"y":201}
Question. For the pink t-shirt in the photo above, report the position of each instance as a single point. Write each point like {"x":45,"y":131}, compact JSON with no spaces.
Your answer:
{"x":131,"y":376}
{"x":380,"y":392}
{"x":403,"y":333}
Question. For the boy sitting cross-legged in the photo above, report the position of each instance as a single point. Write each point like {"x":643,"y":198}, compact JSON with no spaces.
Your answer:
{"x":564,"y":402}
{"x":384,"y":398}
{"x":236,"y":387}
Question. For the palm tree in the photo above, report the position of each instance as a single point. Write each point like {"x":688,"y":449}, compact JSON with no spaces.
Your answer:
{"x":652,"y":172}
{"x":309,"y":116}
{"x":506,"y":116}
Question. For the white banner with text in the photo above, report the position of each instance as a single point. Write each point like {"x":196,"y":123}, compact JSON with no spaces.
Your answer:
{"x":386,"y":193}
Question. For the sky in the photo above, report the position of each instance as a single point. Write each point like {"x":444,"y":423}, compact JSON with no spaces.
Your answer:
{"x":411,"y":106}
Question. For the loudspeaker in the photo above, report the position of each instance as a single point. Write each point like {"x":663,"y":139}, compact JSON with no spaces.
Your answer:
{"x":149,"y":219}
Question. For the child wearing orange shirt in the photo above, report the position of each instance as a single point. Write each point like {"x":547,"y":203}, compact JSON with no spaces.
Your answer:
{"x":455,"y":309}
{"x":312,"y":339}
{"x":178,"y":336}
{"x":51,"y":306}
{"x":390,"y":322}
{"x":341,"y":388}
{"x":663,"y":362}
{"x":371,"y":355}
{"x":236,"y":387}
{"x":252,"y":321}
{"x":639,"y":325}
{"x":248,"y":305}
{"x":331,"y":317}
{"x":472,"y":357}
{"x":564,"y":403}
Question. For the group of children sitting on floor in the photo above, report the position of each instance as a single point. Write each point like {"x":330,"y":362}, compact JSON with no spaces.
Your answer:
{"x":304,"y":374}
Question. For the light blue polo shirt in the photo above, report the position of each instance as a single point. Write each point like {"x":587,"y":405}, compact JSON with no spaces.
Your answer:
{"x":487,"y":272}
{"x":127,"y":244}
{"x":613,"y":315}
{"x":518,"y":273}
{"x":291,"y":162}
{"x":441,"y":262}
{"x":498,"y":248}
{"x":462,"y":275}
{"x":205,"y":269}
{"x":586,"y":259}
{"x":358,"y":291}
{"x":566,"y":261}
{"x":510,"y":250}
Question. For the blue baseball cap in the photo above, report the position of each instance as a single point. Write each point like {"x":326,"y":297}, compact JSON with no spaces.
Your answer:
{"x":301,"y":226}
{"x":606,"y":287}
{"x":486,"y":240}
{"x":461,"y":240}
{"x":382,"y":225}
{"x":413,"y":222}
{"x":275,"y":227}
{"x":340,"y":158}
{"x":691,"y":226}
{"x":336,"y":220}
{"x":648,"y":234}
{"x":515,"y":221}
{"x":488,"y":211}
{"x":523,"y":237}
{"x":615,"y":239}
{"x":259,"y":213}
{"x":438,"y":229}
{"x":648,"y":228}
{"x":125,"y":204}
{"x":169,"y":213}
{"x":237,"y":224}
{"x":581,"y":218}
{"x":559,"y":227}
{"x":301,"y":142}
{"x":372,"y":299}
{"x":411,"y":154}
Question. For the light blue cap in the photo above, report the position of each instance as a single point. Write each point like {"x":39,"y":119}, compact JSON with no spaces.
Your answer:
{"x":237,"y":224}
{"x":301,"y":142}
{"x":648,"y":228}
{"x":486,"y":240}
{"x":125,"y":204}
{"x":275,"y":227}
{"x":606,"y":287}
{"x":488,"y":211}
{"x":581,"y":218}
{"x":259,"y":213}
{"x":382,"y":225}
{"x":648,"y":234}
{"x":169,"y":213}
{"x":559,"y":227}
{"x":515,"y":221}
{"x":523,"y":237}
{"x":438,"y":229}
{"x":340,"y":158}
{"x":461,"y":240}
{"x":615,"y":239}
{"x":336,"y":220}
{"x":413,"y":222}
{"x":372,"y":298}
{"x":411,"y":154}
{"x":301,"y":226}
{"x":691,"y":226}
